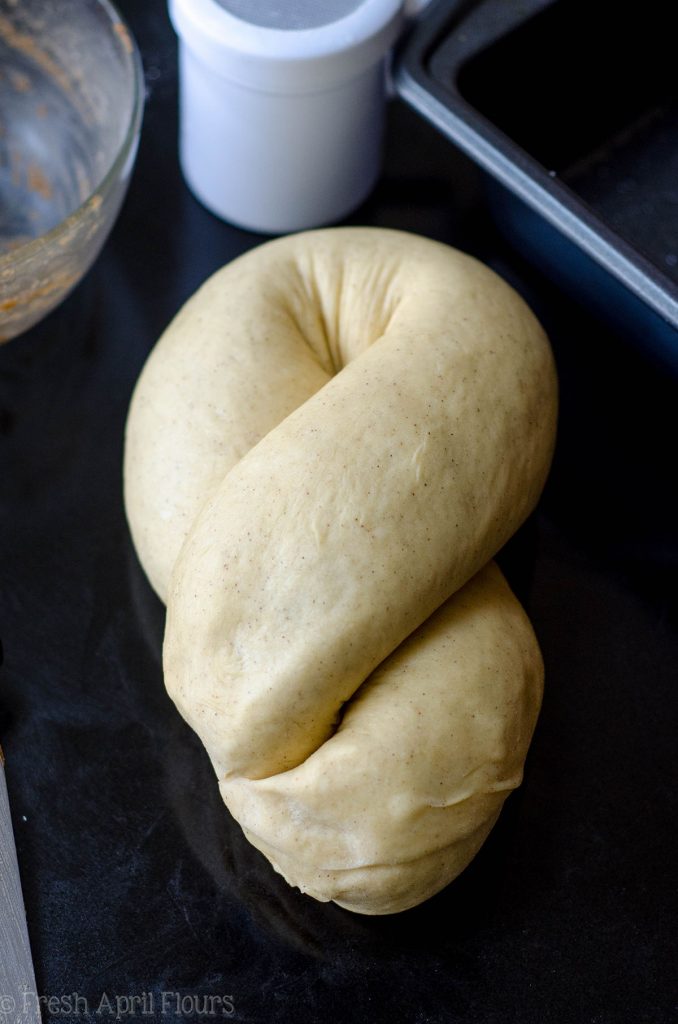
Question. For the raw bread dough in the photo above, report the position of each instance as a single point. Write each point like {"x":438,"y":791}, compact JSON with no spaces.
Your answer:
{"x":324,"y":451}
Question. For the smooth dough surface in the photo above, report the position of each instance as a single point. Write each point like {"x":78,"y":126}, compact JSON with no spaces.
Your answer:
{"x":323,"y":453}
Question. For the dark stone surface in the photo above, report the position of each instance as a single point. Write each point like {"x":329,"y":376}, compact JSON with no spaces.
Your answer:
{"x":136,"y":880}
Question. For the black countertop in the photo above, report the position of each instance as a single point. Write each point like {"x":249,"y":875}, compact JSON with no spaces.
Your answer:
{"x":137,"y":883}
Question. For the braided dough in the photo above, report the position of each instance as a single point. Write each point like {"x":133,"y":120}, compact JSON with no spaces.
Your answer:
{"x":323,"y":452}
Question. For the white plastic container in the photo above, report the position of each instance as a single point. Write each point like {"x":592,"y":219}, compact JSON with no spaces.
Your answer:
{"x":282,"y":106}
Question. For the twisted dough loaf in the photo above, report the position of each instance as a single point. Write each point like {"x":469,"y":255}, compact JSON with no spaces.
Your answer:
{"x":323,"y":452}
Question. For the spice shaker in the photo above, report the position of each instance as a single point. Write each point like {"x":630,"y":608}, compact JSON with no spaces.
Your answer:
{"x":282,"y":106}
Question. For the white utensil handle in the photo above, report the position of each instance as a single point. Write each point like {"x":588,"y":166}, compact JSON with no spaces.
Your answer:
{"x":18,"y":996}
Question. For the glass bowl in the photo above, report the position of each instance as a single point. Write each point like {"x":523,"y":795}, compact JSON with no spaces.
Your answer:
{"x":71,"y":101}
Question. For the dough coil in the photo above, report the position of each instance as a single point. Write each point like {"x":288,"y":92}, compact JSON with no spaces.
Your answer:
{"x":324,"y":452}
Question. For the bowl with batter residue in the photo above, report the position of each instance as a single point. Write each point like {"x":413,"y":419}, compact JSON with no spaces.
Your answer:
{"x":71,"y":101}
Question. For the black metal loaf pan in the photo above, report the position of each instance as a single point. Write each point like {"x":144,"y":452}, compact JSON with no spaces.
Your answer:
{"x":572,"y":109}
